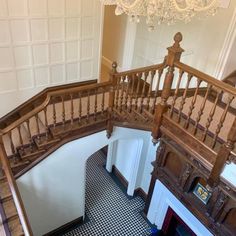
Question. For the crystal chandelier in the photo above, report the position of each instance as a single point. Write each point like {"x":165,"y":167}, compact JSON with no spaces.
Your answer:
{"x":164,"y":11}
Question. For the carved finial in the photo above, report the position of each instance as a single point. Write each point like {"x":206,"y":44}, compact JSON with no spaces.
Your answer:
{"x":178,"y":38}
{"x":114,"y":67}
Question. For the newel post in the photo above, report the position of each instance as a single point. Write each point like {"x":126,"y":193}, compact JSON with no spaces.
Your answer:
{"x":174,"y":54}
{"x":222,"y":158}
{"x":111,"y":99}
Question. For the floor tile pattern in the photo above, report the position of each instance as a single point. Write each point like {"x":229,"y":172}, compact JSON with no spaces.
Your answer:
{"x":109,"y":210}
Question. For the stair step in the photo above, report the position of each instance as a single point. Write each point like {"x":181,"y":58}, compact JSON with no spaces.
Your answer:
{"x":10,"y":209}
{"x":45,"y":142}
{"x":5,"y":191}
{"x":15,"y":227}
{"x":31,"y":154}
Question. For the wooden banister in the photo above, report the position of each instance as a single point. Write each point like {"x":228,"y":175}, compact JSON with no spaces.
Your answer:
{"x":15,"y":191}
{"x":222,"y":157}
{"x":174,"y":54}
{"x":36,"y":101}
{"x":207,"y":78}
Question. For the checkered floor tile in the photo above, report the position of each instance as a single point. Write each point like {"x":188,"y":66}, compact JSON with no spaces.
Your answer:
{"x":109,"y":210}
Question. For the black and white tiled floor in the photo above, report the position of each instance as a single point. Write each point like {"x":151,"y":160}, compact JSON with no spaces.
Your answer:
{"x":109,"y":210}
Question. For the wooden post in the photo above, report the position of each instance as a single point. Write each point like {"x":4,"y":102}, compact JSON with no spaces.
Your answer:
{"x":111,"y":99}
{"x":222,"y":157}
{"x":15,"y":191}
{"x":174,"y":54}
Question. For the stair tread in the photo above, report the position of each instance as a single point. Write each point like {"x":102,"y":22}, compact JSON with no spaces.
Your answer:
{"x":10,"y":208}
{"x":4,"y":190}
{"x":15,"y":227}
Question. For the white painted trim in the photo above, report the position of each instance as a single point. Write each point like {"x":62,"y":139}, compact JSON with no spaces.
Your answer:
{"x":227,"y":46}
{"x":111,"y":155}
{"x":100,"y":58}
{"x":129,"y":44}
{"x":162,"y":198}
{"x":134,"y":171}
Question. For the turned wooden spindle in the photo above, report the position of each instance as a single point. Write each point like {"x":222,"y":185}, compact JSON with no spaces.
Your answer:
{"x":183,"y":99}
{"x":88,"y":106}
{"x":210,"y":117}
{"x":63,"y":114}
{"x":181,"y":73}
{"x":192,"y":105}
{"x":80,"y":107}
{"x":46,"y":122}
{"x":221,"y":122}
{"x":111,"y":98}
{"x":103,"y":101}
{"x":54,"y":114}
{"x":160,"y":72}
{"x":222,"y":158}
{"x":138,"y":78}
{"x":153,"y":73}
{"x":71,"y":109}
{"x":146,"y":73}
{"x":95,"y":104}
{"x":202,"y":107}
{"x":174,"y":54}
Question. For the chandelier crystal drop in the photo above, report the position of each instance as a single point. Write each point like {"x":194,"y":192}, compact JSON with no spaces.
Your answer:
{"x":164,"y":11}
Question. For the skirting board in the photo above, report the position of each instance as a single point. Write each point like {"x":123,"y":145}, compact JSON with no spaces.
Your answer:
{"x":65,"y":227}
{"x":138,"y":192}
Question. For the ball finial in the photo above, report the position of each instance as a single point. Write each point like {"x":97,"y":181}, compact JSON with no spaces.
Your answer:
{"x":114,"y":66}
{"x":178,"y":38}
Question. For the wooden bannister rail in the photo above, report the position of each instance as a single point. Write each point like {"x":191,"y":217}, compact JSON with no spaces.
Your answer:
{"x":15,"y":192}
{"x":36,"y":101}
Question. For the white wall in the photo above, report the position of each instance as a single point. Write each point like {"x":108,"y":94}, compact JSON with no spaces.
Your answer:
{"x":114,"y":34}
{"x":45,"y":43}
{"x":53,"y":192}
{"x":202,"y":41}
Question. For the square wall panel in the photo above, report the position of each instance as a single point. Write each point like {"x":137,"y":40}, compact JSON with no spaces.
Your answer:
{"x":6,"y":58}
{"x":57,"y":74}
{"x":86,"y":69}
{"x":72,"y":28}
{"x":22,"y":56}
{"x":72,"y":50}
{"x":40,"y":53}
{"x":87,"y":27}
{"x":38,"y":7}
{"x":56,"y":29}
{"x":56,"y":7}
{"x":25,"y":79}
{"x":72,"y":72}
{"x":41,"y":76}
{"x":56,"y":52}
{"x":3,"y":8}
{"x":39,"y":30}
{"x":73,"y":8}
{"x":88,"y":7}
{"x":17,"y":7}
{"x":4,"y":32}
{"x":8,"y":82}
{"x":86,"y":49}
{"x":20,"y":31}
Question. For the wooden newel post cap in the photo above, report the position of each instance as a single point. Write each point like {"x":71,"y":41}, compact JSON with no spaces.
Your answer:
{"x":177,"y":38}
{"x":175,"y":51}
{"x":114,"y":67}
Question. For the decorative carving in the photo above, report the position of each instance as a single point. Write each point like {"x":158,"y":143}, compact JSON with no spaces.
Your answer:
{"x":221,"y":201}
{"x":185,"y":175}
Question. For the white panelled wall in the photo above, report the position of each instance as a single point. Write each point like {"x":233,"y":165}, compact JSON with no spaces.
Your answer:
{"x":45,"y":43}
{"x":203,"y":41}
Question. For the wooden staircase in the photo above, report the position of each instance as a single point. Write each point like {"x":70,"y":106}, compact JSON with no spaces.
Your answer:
{"x":157,"y":98}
